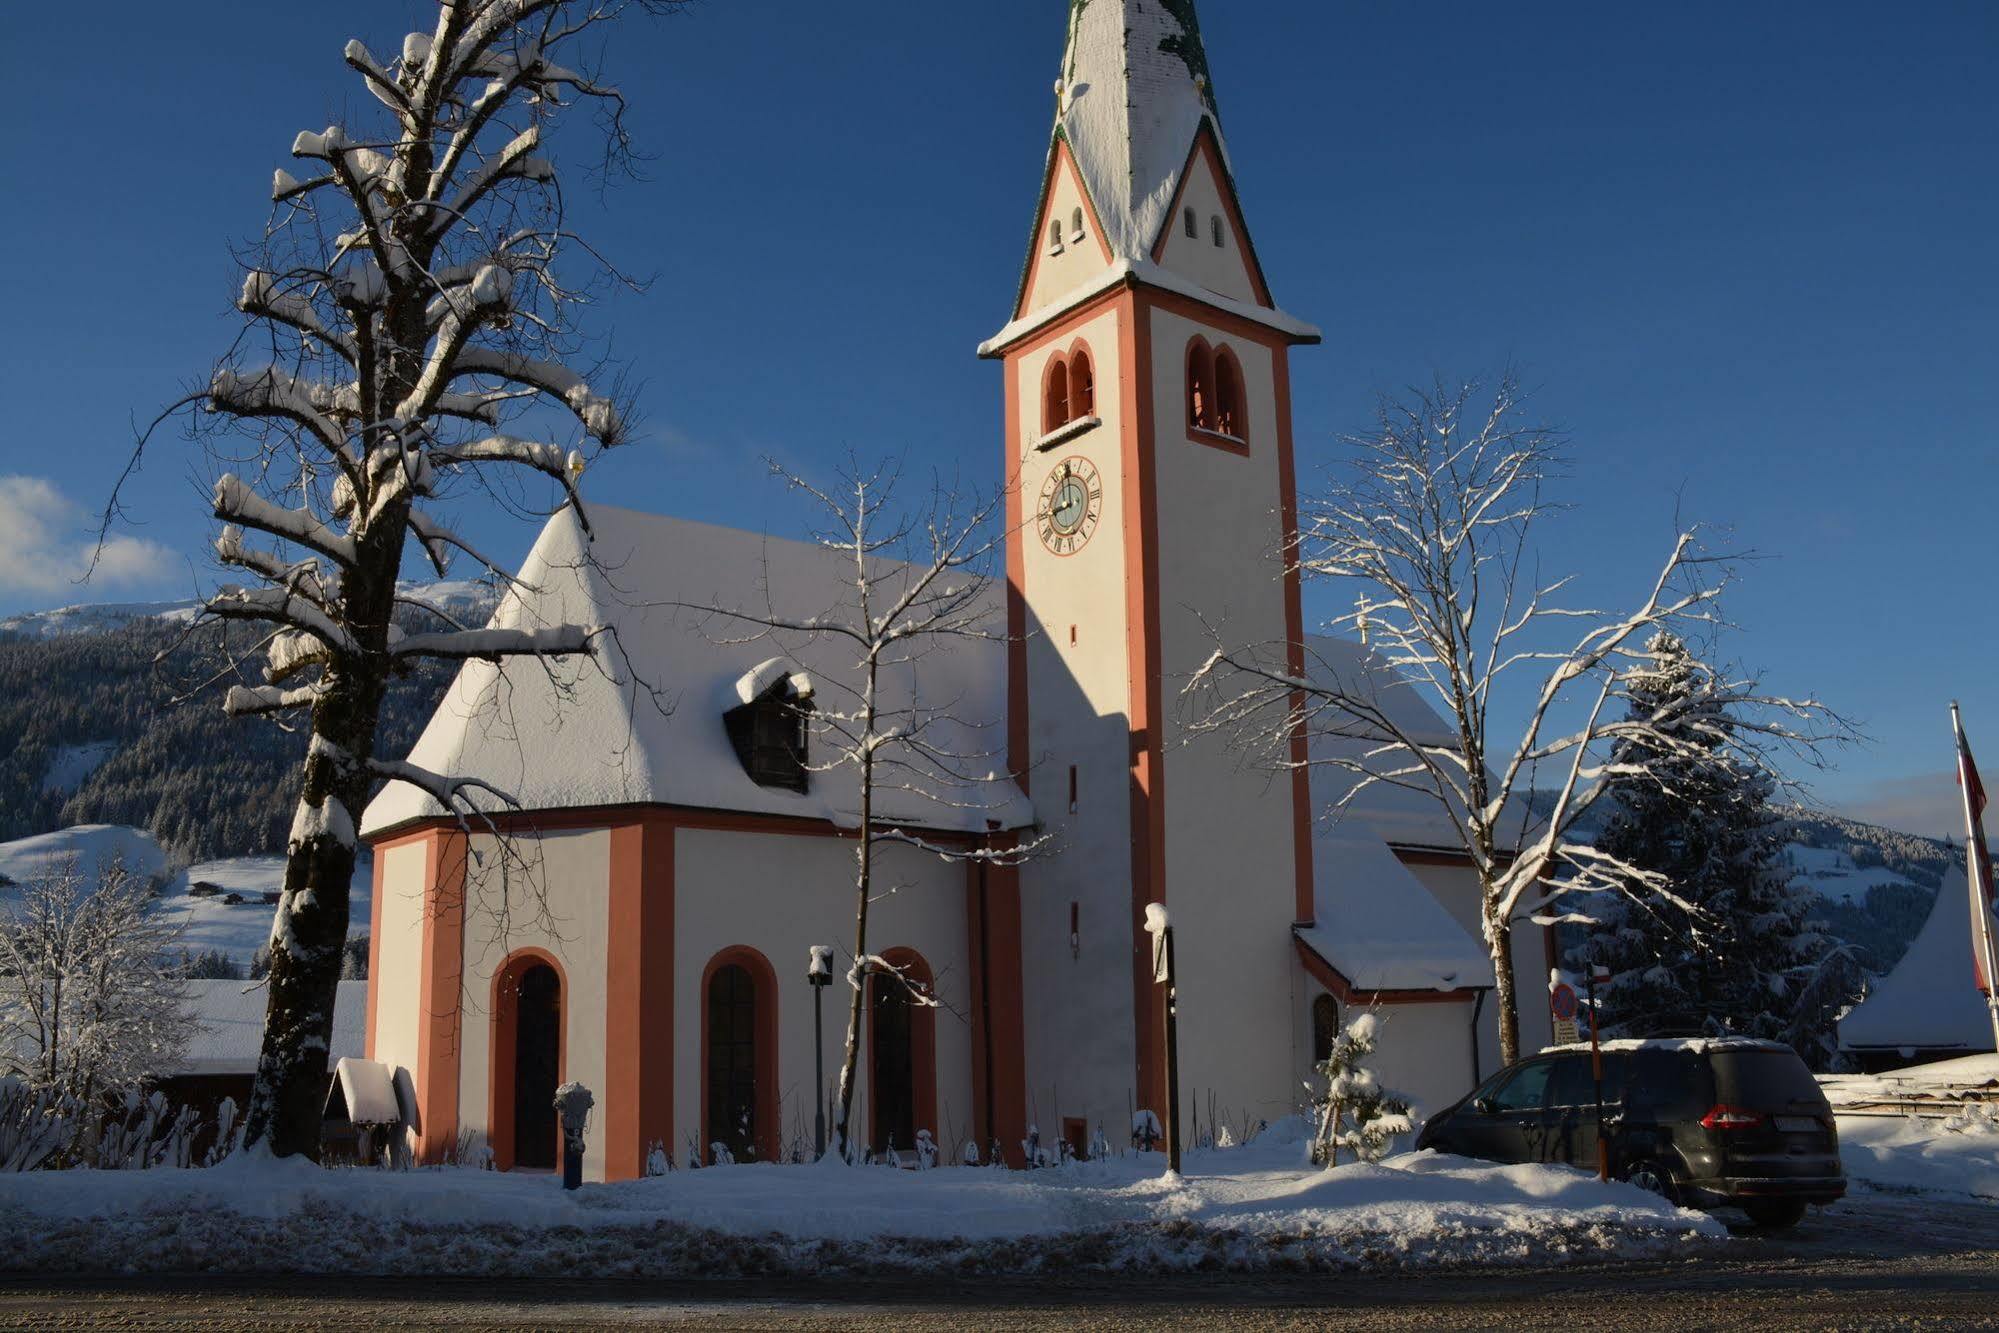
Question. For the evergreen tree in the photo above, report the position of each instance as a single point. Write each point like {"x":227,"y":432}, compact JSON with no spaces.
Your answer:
{"x":1726,"y":946}
{"x":1355,"y":1112}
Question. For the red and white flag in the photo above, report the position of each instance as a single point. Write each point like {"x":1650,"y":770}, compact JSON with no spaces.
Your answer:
{"x":1978,"y":858}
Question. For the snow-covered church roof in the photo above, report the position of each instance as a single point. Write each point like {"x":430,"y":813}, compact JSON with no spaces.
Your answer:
{"x":1928,"y":1002}
{"x":640,"y":722}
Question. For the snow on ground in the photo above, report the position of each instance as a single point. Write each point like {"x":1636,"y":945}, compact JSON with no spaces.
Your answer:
{"x":1958,"y":1154}
{"x":199,"y":895}
{"x":73,"y":763}
{"x":1259,"y":1207}
{"x":1832,"y":874}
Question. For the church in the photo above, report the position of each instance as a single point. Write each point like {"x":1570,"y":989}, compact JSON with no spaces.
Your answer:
{"x":639,"y":918}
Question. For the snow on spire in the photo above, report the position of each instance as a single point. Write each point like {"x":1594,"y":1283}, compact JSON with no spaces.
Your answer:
{"x":1133,"y":91}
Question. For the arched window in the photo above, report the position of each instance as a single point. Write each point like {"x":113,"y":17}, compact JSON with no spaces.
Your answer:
{"x":1192,"y":224}
{"x":1055,"y":396}
{"x":1076,"y":225}
{"x":1200,"y":385}
{"x":1215,"y":229}
{"x":739,"y":1057}
{"x":1325,"y":1026}
{"x":902,"y":1044}
{"x":1055,"y":234}
{"x":1082,"y":385}
{"x":1230,"y":418}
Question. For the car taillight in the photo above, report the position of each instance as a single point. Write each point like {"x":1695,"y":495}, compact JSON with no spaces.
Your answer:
{"x":1731,"y":1117}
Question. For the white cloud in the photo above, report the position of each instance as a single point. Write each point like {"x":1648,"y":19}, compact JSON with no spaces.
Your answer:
{"x":46,"y":543}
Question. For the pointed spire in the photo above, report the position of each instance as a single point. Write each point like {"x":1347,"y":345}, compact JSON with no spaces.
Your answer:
{"x":1133,"y":92}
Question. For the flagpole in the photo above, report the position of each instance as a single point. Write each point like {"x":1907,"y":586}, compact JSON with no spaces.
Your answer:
{"x":1978,"y":873}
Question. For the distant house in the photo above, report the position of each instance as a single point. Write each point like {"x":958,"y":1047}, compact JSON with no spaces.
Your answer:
{"x":227,"y":1018}
{"x":1927,"y":1008}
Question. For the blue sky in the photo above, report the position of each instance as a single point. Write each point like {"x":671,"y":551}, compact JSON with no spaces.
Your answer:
{"x":1742,"y":251}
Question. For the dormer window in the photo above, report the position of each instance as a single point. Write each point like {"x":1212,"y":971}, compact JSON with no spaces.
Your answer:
{"x":1215,"y":228}
{"x":1193,"y":225}
{"x":1076,"y":225}
{"x":770,"y":726}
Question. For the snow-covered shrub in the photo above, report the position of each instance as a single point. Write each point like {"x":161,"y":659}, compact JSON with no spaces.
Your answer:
{"x":719,"y":1154}
{"x":1355,"y":1111}
{"x":657,"y":1161}
{"x":926,"y":1150}
{"x":225,"y":1133}
{"x":1100,"y":1147}
{"x":35,"y":1123}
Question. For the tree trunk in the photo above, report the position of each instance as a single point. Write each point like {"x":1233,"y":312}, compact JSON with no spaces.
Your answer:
{"x":864,"y":880}
{"x":1504,"y":993}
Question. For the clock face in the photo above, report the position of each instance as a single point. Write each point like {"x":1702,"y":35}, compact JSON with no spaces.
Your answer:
{"x":1072,"y":501}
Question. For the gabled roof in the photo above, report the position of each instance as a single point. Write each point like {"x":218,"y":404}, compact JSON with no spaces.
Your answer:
{"x":1928,"y":1002}
{"x":1378,"y":927}
{"x":640,"y":722}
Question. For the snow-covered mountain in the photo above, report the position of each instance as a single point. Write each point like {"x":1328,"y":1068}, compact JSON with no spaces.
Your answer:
{"x":461,"y":599}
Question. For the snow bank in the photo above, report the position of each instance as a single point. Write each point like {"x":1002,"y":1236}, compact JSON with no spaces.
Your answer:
{"x":1248,"y":1208}
{"x":1958,"y":1154}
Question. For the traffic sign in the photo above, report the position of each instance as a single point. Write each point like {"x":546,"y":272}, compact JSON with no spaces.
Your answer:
{"x":1562,"y":1000}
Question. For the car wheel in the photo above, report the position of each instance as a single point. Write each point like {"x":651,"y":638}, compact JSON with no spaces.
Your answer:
{"x":1654,"y":1178}
{"x":1775,"y":1214}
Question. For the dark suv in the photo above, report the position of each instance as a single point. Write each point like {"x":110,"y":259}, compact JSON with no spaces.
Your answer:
{"x":1705,"y":1122}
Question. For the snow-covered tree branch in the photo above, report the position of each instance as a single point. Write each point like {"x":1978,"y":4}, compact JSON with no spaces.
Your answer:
{"x":917,"y":579}
{"x":409,"y":327}
{"x":1429,"y":530}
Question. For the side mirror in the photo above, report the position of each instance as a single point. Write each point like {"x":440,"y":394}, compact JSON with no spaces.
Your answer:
{"x":1483,"y":1105}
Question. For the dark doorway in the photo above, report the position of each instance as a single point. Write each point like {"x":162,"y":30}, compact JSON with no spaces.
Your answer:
{"x":894,"y":1060}
{"x":537,"y":1066}
{"x":732,"y":1061}
{"x":1325,"y":1027}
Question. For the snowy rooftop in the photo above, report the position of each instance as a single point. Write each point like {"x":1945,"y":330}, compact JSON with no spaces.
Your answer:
{"x":1689,"y":1045}
{"x":229,"y":1025}
{"x":1928,"y":1002}
{"x":640,"y":723}
{"x":1378,"y":926}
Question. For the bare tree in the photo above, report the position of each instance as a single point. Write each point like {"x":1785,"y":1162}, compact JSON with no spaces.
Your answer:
{"x":90,"y":1000}
{"x":919,"y":579}
{"x":1432,"y":529}
{"x":404,"y":307}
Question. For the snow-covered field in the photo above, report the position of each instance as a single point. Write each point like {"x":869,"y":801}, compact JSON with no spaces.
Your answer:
{"x":209,"y":920}
{"x":1260,"y":1207}
{"x":1832,"y":874}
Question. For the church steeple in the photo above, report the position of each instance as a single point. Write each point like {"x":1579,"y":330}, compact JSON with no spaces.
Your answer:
{"x":1134,"y":92}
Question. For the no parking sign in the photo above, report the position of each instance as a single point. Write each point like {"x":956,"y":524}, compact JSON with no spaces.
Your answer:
{"x":1563,"y":1005}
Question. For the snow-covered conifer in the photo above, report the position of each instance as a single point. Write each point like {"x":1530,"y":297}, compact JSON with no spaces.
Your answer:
{"x":1354,"y":1111}
{"x":1713,"y":937}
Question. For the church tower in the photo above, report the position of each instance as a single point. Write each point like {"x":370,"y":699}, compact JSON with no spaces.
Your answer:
{"x":1151,"y":487}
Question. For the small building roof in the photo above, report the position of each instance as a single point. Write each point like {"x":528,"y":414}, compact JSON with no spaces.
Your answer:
{"x":1379,"y":927}
{"x":227,"y":1026}
{"x":1927,"y":1002}
{"x":639,"y":721}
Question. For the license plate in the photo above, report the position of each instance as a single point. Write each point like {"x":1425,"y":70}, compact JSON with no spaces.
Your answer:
{"x":1798,"y":1124}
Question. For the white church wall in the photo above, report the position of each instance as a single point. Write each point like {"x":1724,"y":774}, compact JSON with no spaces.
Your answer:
{"x":1230,"y":879}
{"x":781,"y":894}
{"x":1077,"y":1017}
{"x":1456,"y":888}
{"x":397,"y":975}
{"x":559,"y":903}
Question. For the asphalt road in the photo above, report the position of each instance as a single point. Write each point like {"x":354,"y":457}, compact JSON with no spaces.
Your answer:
{"x":1880,"y":1262}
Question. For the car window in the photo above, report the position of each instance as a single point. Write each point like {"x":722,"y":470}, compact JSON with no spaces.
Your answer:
{"x":1526,"y":1090}
{"x":1575,"y":1080}
{"x":1765,"y":1080}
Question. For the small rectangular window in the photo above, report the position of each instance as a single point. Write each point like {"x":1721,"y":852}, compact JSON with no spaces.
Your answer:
{"x":1193,"y":225}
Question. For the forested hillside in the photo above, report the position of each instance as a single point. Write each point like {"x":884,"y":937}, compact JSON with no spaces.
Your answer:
{"x":90,"y":732}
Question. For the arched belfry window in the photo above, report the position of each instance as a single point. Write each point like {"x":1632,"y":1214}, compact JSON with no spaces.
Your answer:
{"x":1076,"y":225}
{"x":1055,"y":396}
{"x":1230,"y":418}
{"x":1192,"y":223}
{"x":1055,"y":235}
{"x":1200,"y":385}
{"x":1082,"y":385}
{"x":770,"y":728}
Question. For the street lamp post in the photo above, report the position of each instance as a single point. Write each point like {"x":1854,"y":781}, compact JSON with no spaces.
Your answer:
{"x":820,"y":974}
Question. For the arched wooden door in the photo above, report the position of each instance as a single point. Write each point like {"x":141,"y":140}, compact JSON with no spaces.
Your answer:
{"x":537,"y":1066}
{"x":732,"y":1061}
{"x":902,"y":1054}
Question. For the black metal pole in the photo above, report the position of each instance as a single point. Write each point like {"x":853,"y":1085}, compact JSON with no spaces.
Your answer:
{"x":1172,"y":1061}
{"x":819,"y":1068}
